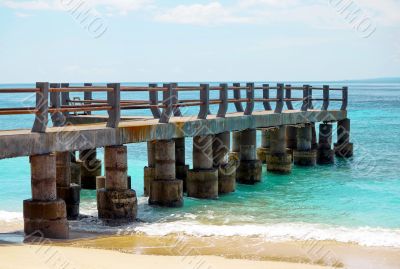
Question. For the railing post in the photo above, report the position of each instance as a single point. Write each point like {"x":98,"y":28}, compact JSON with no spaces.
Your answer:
{"x":42,"y":107}
{"x":325,"y":104}
{"x":310,"y":97}
{"x":65,"y":98}
{"x":345,"y":98}
{"x":279,"y":96}
{"x":250,"y":99}
{"x":114,"y":100}
{"x":167,"y":103}
{"x":288,"y":89}
{"x":237,"y":96}
{"x":88,"y":96}
{"x":153,"y":96}
{"x":175,"y":100}
{"x":304,"y":107}
{"x":55,"y":102}
{"x":267,"y":105}
{"x":223,"y":96}
{"x":205,"y":100}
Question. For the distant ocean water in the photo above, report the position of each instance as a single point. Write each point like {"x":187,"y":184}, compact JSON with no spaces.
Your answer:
{"x":356,"y":200}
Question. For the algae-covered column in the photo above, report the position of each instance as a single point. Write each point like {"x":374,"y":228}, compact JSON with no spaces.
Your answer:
{"x":325,"y":153}
{"x":90,"y":168}
{"x":116,"y":203}
{"x":166,"y":190}
{"x":181,"y":168}
{"x":279,"y":160}
{"x":226,"y":169}
{"x":264,"y":150}
{"x":304,"y":155}
{"x":234,"y":157}
{"x":343,"y":147}
{"x":66,"y":190}
{"x":291,"y":138}
{"x":150,"y":169}
{"x":44,"y":214}
{"x":202,"y":180}
{"x":250,"y":169}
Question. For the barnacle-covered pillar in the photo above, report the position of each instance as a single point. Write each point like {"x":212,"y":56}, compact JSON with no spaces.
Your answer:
{"x":279,"y":160}
{"x":226,"y":169}
{"x":250,"y":169}
{"x":304,"y":155}
{"x":264,"y":150}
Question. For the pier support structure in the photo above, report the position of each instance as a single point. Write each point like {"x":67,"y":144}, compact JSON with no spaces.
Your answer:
{"x":66,"y":190}
{"x":44,"y":214}
{"x":279,"y":160}
{"x":343,"y":147}
{"x":166,"y":190}
{"x":250,"y":169}
{"x":90,"y":168}
{"x":304,"y":155}
{"x":226,"y":169}
{"x":181,"y":168}
{"x":264,"y":150}
{"x":116,"y":203}
{"x":75,"y":169}
{"x":325,"y":153}
{"x":314,"y":142}
{"x":291,"y":139}
{"x":202,"y":180}
{"x":150,"y":169}
{"x":234,"y":155}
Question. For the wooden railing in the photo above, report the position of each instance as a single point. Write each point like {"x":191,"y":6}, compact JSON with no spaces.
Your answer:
{"x":61,"y":105}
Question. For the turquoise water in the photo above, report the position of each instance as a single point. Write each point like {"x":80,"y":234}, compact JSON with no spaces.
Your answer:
{"x":355,"y":200}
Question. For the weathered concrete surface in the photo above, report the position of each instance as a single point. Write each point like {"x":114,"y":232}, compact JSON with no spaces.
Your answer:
{"x":18,"y":143}
{"x":279,"y":160}
{"x":304,"y":155}
{"x":325,"y":154}
{"x":343,"y":148}
{"x":250,"y":169}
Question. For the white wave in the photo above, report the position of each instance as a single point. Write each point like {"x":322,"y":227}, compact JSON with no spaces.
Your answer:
{"x":365,"y":236}
{"x":6,"y":216}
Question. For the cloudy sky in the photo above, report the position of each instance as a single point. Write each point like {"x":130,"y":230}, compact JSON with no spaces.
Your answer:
{"x":195,"y":40}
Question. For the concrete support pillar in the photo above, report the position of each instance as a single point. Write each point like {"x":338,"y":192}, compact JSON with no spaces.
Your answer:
{"x":116,"y":203}
{"x":75,"y":170}
{"x":250,"y":169}
{"x":234,"y":157}
{"x":304,"y":155}
{"x":202,"y":181}
{"x":291,"y":139}
{"x":343,"y":147}
{"x":314,"y":142}
{"x":44,"y":214}
{"x":150,"y":169}
{"x":264,"y":150}
{"x":181,"y":168}
{"x":279,"y":160}
{"x":325,"y":153}
{"x":166,"y":190}
{"x":226,"y":170}
{"x":90,"y":168}
{"x":66,"y":191}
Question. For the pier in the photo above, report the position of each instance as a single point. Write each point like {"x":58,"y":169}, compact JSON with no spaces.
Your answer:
{"x":225,"y":150}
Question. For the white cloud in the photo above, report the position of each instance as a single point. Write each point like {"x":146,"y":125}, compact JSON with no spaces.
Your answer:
{"x":213,"y":13}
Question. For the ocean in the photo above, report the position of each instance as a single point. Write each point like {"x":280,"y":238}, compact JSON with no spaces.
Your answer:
{"x":355,"y":200}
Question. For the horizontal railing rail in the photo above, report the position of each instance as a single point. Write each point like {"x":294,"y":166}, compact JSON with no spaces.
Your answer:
{"x":54,"y":99}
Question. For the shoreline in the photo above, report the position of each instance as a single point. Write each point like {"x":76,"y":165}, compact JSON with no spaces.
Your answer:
{"x":328,"y":254}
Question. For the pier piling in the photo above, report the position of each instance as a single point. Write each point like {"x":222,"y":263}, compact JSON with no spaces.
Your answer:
{"x":279,"y":160}
{"x":325,"y":153}
{"x":116,"y":203}
{"x":202,"y":180}
{"x":181,"y":168}
{"x":250,"y":169}
{"x":166,"y":190}
{"x":226,"y":170}
{"x":264,"y":150}
{"x":44,"y":214}
{"x":304,"y":155}
{"x":66,"y":190}
{"x":343,"y":147}
{"x":90,"y":168}
{"x":150,"y":169}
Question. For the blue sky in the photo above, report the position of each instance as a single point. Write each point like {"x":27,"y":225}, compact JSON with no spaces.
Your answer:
{"x":194,"y":40}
